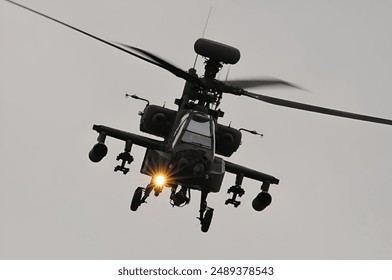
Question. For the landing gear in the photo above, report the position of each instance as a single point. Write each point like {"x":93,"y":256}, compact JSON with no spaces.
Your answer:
{"x":206,"y":221}
{"x":137,"y":199}
{"x":140,"y":196}
{"x":206,"y":212}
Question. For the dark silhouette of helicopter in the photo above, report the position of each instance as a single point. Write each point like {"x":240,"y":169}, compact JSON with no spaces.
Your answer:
{"x":189,"y":156}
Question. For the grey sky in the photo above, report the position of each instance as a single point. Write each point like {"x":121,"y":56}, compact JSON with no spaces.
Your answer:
{"x":333,"y":201}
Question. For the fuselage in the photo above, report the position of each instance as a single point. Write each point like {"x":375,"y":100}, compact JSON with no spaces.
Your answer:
{"x":189,"y":159}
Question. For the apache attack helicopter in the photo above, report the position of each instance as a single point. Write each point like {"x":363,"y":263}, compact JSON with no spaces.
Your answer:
{"x":188,"y":157}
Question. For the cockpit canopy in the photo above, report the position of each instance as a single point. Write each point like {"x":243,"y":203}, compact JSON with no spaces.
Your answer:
{"x":196,"y":128}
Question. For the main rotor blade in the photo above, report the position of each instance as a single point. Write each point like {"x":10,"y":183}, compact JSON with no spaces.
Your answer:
{"x":165,"y":65}
{"x":157,"y":62}
{"x":252,"y":83}
{"x":312,"y":108}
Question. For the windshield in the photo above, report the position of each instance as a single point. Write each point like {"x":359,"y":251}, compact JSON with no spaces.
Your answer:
{"x":198,"y":131}
{"x":177,"y":133}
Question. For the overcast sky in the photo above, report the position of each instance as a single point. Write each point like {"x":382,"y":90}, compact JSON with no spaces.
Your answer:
{"x":334,"y":197}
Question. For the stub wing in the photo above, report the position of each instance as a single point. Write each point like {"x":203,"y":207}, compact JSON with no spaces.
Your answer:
{"x":99,"y":150}
{"x":133,"y":138}
{"x":249,"y":173}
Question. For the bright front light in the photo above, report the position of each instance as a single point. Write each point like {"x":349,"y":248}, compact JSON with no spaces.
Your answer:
{"x":160,"y":180}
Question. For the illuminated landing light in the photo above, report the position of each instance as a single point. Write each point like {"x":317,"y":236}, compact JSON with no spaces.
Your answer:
{"x":160,"y":180}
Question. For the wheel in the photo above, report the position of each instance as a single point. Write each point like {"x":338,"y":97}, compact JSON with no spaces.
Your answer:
{"x":206,"y":222}
{"x":136,"y":199}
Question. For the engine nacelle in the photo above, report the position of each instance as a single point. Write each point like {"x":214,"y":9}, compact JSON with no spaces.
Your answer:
{"x":98,"y":152}
{"x":261,"y":201}
{"x":228,"y":140}
{"x":157,"y":120}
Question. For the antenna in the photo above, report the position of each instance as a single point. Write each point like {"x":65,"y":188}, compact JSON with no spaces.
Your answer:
{"x":254,"y":132}
{"x":204,"y":32}
{"x":208,"y":18}
{"x":134,"y":96}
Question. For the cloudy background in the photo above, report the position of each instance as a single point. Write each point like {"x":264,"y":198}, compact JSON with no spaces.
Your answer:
{"x":334,"y":199}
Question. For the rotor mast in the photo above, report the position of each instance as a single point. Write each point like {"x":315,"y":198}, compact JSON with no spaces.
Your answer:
{"x":208,"y":91}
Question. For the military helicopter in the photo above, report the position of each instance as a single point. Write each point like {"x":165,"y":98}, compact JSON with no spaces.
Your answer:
{"x":190,"y":155}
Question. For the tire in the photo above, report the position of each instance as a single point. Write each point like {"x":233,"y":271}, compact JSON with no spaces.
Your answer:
{"x":136,"y":199}
{"x":206,"y":222}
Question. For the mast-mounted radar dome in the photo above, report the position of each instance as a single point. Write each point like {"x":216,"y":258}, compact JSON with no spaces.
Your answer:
{"x":217,"y":51}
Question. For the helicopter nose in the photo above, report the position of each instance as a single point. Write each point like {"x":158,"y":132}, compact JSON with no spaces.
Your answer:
{"x":183,"y":163}
{"x":188,"y":168}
